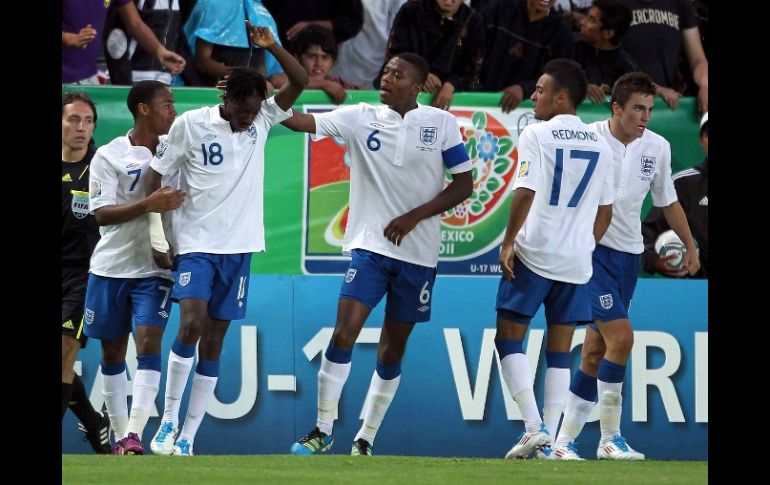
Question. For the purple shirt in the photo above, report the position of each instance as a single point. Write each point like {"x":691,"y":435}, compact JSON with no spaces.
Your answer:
{"x":77,"y":64}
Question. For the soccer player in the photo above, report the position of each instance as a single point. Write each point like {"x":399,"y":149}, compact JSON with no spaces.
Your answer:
{"x":642,"y":162}
{"x":562,"y":205}
{"x":219,"y":152}
{"x":79,"y":234}
{"x":126,"y":284}
{"x":399,"y":154}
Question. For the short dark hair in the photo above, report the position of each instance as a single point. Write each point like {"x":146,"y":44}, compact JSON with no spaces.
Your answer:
{"x":421,"y":66}
{"x":74,"y":96}
{"x":630,"y":83}
{"x":143,"y":92}
{"x":243,"y":82}
{"x":568,"y":76}
{"x":615,"y":16}
{"x":314,"y":35}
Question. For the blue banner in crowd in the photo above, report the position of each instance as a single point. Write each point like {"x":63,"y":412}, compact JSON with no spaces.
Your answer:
{"x":451,"y":401}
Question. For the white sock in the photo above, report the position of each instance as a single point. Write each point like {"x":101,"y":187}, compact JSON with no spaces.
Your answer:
{"x":202,"y":390}
{"x":518,"y":378}
{"x":575,"y":416}
{"x":610,"y":406}
{"x":176,"y":381}
{"x":331,"y":380}
{"x":115,"y":392}
{"x":146,"y":384}
{"x":378,"y":400}
{"x":556,"y":389}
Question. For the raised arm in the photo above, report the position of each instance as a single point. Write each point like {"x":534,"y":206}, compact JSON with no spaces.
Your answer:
{"x":298,"y":78}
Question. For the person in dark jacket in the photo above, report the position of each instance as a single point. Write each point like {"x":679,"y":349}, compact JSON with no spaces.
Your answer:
{"x":449,"y":35}
{"x":599,"y":51}
{"x":692,"y":190}
{"x":521,"y":36}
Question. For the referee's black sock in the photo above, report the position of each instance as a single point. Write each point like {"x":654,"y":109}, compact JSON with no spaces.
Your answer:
{"x":66,"y":393}
{"x":82,"y":407}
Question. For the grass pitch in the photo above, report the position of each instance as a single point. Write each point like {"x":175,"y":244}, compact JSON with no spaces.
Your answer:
{"x":340,"y":469}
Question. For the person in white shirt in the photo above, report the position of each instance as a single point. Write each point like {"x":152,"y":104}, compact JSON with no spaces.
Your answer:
{"x":562,"y":205}
{"x":642,"y":161}
{"x":220,"y":154}
{"x":399,"y":154}
{"x":128,"y":282}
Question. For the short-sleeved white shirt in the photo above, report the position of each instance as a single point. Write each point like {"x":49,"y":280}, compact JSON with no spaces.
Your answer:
{"x":397,"y":164}
{"x":223,"y":175}
{"x":644,"y":165}
{"x":569,"y":166}
{"x":117,"y":175}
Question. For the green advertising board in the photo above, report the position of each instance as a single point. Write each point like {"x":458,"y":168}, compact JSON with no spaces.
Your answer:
{"x":306,"y":181}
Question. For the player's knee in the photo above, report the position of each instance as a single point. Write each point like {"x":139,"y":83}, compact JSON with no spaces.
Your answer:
{"x":189,"y":329}
{"x":591,"y":358}
{"x":344,"y":338}
{"x":147,"y":345}
{"x":112,"y":355}
{"x":622,"y":342}
{"x":390,"y":354}
{"x":210,"y":348}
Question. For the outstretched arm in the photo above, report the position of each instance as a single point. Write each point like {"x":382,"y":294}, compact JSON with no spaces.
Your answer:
{"x":298,"y":78}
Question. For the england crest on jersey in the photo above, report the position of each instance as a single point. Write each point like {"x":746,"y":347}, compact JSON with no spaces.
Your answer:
{"x":88,"y":316}
{"x":606,"y":301}
{"x":251,"y":131}
{"x":184,"y":278}
{"x":350,"y":275}
{"x":648,"y":165}
{"x":428,"y":134}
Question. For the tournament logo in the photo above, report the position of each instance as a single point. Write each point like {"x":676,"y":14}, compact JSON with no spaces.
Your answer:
{"x":88,"y":316}
{"x":350,"y":275}
{"x":648,"y":165}
{"x":96,"y":188}
{"x":606,"y":301}
{"x":428,"y":134}
{"x":524,"y":169}
{"x":184,"y":278}
{"x":161,"y":150}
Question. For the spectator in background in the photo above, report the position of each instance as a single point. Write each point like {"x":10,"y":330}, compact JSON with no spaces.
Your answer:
{"x":450,"y":36}
{"x":128,"y":63}
{"x":315,"y":49}
{"x":599,"y":51}
{"x":660,"y":29}
{"x":343,"y":17}
{"x":361,"y":57}
{"x":79,"y":234}
{"x":219,"y":40}
{"x":521,"y":37}
{"x":692,"y":190}
{"x":82,"y":22}
{"x":574,"y":11}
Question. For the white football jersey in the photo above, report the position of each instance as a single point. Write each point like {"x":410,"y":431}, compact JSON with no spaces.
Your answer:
{"x":223,"y":175}
{"x":642,"y":166}
{"x":397,"y":164}
{"x":117,"y":175}
{"x":569,"y":166}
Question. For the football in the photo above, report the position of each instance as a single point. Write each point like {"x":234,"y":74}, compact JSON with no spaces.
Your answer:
{"x":668,"y":243}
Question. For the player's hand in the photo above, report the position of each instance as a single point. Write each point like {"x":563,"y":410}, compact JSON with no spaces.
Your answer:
{"x":171,"y":60}
{"x":432,"y":84}
{"x":703,"y":99}
{"x":670,"y":96}
{"x":691,"y":262}
{"x":595,"y":93}
{"x":164,"y":260}
{"x":662,"y":267}
{"x":506,"y":261}
{"x":296,"y":29}
{"x":165,"y":199}
{"x":335,"y":90}
{"x":512,"y":96}
{"x":443,"y":99}
{"x":399,"y":227}
{"x":260,"y":36}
